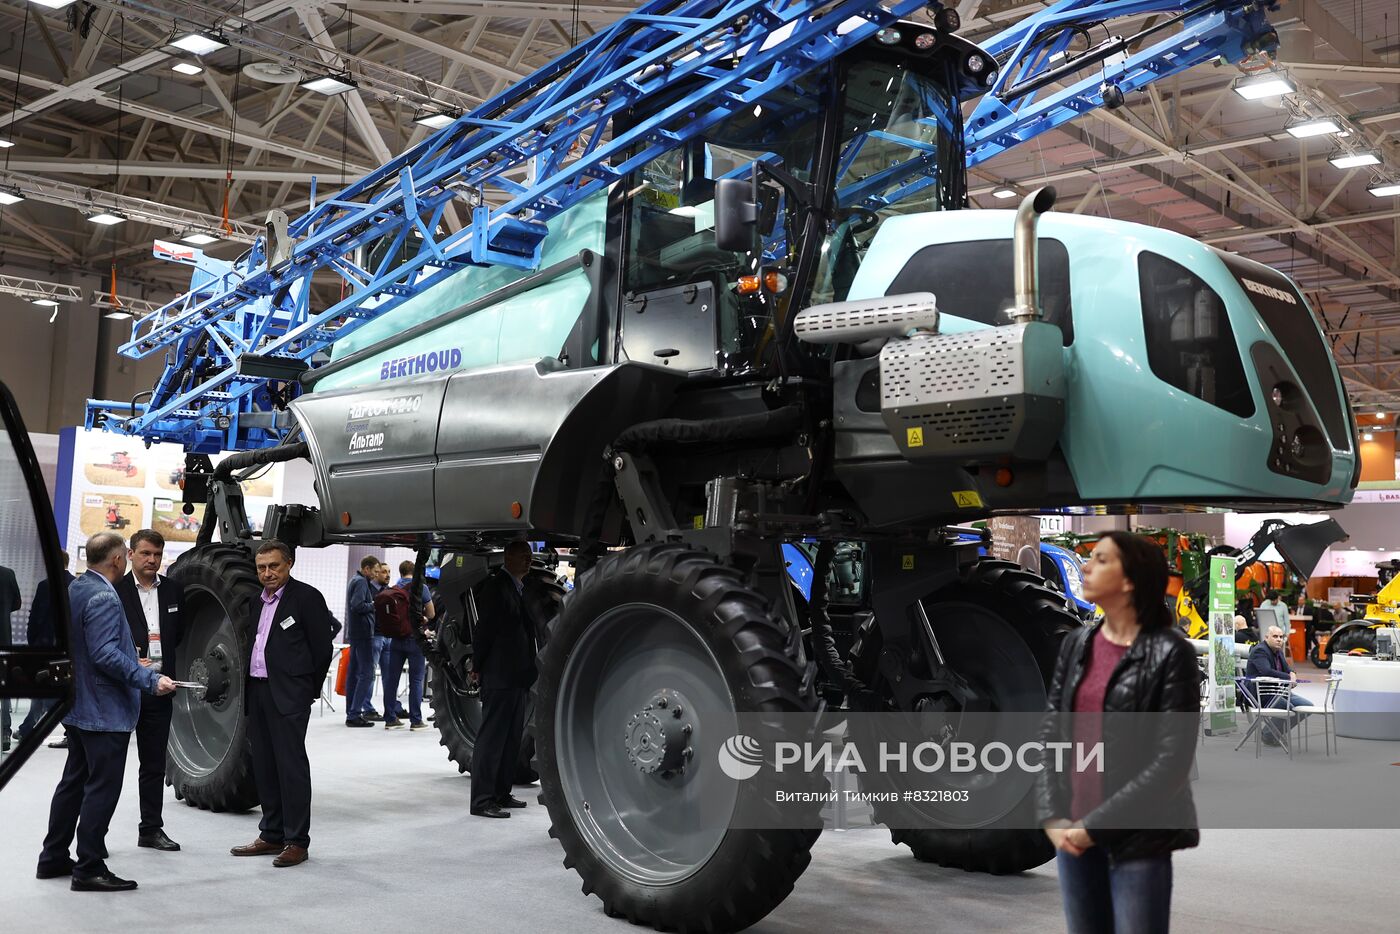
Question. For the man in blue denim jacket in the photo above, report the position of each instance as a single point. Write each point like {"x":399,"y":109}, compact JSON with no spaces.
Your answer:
{"x":107,"y":684}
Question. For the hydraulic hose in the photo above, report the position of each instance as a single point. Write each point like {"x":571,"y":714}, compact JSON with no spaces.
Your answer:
{"x":273,"y":455}
{"x":645,"y":435}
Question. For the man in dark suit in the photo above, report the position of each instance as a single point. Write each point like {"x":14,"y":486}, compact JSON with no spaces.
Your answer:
{"x":1267,"y":660}
{"x":107,"y":684}
{"x":153,"y":607}
{"x":286,"y":665}
{"x":504,"y":662}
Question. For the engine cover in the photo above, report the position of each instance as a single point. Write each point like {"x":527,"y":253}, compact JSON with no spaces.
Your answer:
{"x":976,"y":395}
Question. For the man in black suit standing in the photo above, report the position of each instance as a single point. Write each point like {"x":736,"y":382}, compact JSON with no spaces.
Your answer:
{"x":504,"y":662}
{"x":153,"y":606}
{"x":286,"y":665}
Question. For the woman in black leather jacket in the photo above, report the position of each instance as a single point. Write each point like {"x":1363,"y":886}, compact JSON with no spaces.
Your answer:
{"x":1115,"y":829}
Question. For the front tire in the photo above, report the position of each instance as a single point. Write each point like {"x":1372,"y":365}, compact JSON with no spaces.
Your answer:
{"x":209,"y":759}
{"x":654,"y":623}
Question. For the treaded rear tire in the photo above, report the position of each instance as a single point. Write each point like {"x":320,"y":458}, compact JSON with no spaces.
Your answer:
{"x":751,"y":871}
{"x":1039,"y":616}
{"x":217,"y":578}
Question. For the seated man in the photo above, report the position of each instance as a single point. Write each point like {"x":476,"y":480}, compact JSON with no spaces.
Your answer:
{"x":1266,"y":660}
{"x":1244,"y":633}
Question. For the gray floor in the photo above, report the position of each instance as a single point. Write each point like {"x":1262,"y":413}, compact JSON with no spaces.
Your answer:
{"x":393,"y":850}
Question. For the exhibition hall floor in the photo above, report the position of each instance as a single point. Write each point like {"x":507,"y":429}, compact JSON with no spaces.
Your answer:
{"x":394,"y":850}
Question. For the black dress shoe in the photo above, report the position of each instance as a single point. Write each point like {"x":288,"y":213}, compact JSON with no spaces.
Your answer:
{"x":103,"y":883}
{"x":358,"y":721}
{"x":54,"y":872}
{"x":510,"y":801}
{"x":59,"y":743}
{"x":490,"y":811}
{"x":157,"y":840}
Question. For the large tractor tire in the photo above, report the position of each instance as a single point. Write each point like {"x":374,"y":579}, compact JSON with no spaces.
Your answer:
{"x":457,"y":703}
{"x":645,"y":824}
{"x":209,"y":760}
{"x":1353,"y":638}
{"x":1000,"y":629}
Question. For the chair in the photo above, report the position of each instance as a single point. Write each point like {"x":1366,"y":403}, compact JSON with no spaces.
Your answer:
{"x":1259,"y":698}
{"x":1275,"y":711}
{"x":1327,"y":712}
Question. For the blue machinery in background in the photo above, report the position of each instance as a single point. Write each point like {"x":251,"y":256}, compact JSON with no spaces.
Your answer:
{"x":236,"y":343}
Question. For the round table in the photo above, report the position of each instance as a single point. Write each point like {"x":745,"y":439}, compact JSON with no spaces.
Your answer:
{"x":1368,"y":699}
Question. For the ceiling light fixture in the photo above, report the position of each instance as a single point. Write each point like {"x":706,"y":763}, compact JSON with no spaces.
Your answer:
{"x":1368,"y":437}
{"x":116,"y":315}
{"x":185,"y":68}
{"x":200,"y":43}
{"x":1257,"y":87}
{"x":1313,"y":126}
{"x":329,"y":84}
{"x":1384,"y":188}
{"x":106,"y":219}
{"x":435,"y":120}
{"x":44,"y":302}
{"x":199,"y":238}
{"x":52,"y":4}
{"x":1002,"y":194}
{"x":10,"y":197}
{"x":1353,"y":160}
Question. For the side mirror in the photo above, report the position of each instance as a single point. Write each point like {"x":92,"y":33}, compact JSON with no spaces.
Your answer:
{"x":736,"y":214}
{"x":34,"y":659}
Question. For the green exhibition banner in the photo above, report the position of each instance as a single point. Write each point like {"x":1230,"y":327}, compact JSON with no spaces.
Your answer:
{"x":1220,"y":704}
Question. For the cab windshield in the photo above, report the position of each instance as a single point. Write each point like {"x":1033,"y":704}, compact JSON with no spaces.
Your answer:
{"x":897,"y":139}
{"x":893,"y":148}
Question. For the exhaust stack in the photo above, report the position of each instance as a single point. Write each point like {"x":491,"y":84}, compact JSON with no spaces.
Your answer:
{"x":1027,"y":252}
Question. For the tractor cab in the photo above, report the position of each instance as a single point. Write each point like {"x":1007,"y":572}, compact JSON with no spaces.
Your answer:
{"x":815,"y":167}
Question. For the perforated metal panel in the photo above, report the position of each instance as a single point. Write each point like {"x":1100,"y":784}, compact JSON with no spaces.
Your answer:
{"x":868,"y":319}
{"x":974,"y":395}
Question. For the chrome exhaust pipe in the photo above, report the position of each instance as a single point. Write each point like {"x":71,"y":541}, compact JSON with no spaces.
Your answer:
{"x":1027,"y":252}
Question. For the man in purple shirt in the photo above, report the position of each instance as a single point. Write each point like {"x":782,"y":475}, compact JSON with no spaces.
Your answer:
{"x":286,"y":666}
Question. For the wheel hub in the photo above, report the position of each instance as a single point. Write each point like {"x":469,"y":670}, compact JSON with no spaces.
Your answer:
{"x":212,"y":671}
{"x":658,"y":735}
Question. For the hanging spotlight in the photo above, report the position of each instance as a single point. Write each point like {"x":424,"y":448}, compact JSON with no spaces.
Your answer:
{"x":1258,"y":87}
{"x":116,"y":314}
{"x":1384,"y":188}
{"x":199,"y":238}
{"x":1353,"y":160}
{"x":44,"y":302}
{"x":106,"y":218}
{"x":1312,"y":126}
{"x":200,"y":43}
{"x":1001,"y":194}
{"x":435,"y":120}
{"x":52,"y":4}
{"x":329,"y":84}
{"x":10,"y":197}
{"x":185,"y":68}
